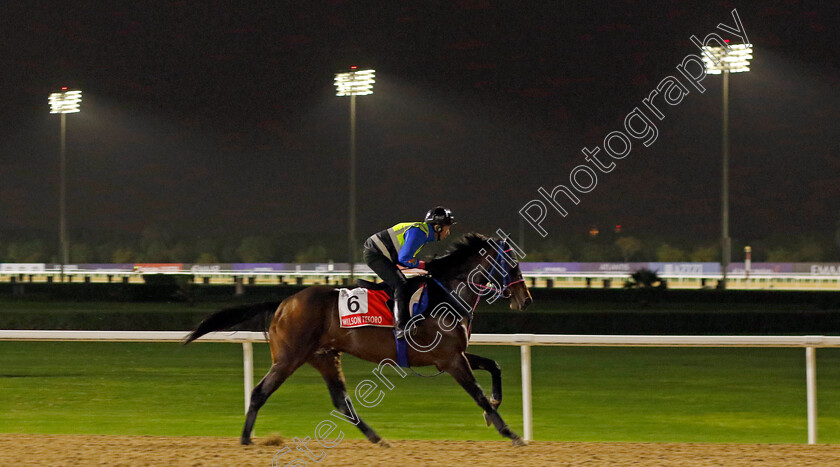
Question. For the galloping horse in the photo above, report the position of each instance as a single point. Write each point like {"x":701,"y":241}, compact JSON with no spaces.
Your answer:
{"x":306,"y":329}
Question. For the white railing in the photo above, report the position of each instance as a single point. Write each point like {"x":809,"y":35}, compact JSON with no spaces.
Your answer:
{"x":524,"y":341}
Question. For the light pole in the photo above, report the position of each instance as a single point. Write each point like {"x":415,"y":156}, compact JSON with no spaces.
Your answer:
{"x":353,"y":83}
{"x":724,"y":60}
{"x":64,"y":102}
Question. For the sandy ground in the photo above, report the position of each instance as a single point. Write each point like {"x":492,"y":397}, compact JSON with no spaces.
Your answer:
{"x":61,"y":450}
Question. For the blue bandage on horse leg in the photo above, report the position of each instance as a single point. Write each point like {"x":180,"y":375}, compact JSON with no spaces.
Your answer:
{"x":402,"y":353}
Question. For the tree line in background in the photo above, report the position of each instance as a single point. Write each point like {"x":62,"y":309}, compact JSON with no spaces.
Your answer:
{"x":156,"y":245}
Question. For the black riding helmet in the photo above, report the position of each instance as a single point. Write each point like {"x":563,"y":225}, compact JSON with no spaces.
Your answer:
{"x":439,"y":216}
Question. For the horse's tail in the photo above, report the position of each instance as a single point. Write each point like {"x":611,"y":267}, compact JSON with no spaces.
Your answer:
{"x":228,"y":317}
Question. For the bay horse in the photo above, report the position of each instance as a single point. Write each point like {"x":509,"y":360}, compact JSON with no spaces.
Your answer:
{"x":306,"y":328}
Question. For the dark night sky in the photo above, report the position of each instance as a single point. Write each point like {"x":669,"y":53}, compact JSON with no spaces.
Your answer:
{"x":220,"y":118}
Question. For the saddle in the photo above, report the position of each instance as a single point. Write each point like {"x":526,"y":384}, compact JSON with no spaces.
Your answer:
{"x":361,"y":283}
{"x":411,"y":274}
{"x":414,"y":288}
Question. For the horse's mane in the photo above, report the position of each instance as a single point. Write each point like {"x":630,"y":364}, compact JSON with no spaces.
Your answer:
{"x":464,"y":248}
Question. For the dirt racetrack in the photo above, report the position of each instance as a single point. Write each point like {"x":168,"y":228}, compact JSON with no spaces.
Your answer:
{"x":61,"y":450}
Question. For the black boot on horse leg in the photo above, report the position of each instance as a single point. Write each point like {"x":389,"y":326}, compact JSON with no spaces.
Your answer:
{"x":328,"y":363}
{"x":489,"y":365}
{"x":460,"y":370}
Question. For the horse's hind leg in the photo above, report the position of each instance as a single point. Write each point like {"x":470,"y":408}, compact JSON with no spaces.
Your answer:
{"x":459,"y":368}
{"x":270,"y":382}
{"x":328,"y":363}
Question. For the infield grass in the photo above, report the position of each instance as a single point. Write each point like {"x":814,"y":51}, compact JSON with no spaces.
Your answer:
{"x":580,"y":394}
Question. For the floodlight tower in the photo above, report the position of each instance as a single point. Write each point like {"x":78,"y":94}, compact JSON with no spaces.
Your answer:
{"x":353,"y":83}
{"x":64,"y":102}
{"x":724,"y":60}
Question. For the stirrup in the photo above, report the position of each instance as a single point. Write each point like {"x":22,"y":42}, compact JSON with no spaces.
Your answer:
{"x":399,"y":330}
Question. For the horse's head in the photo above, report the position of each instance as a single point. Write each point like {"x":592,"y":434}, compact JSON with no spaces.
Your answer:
{"x":504,"y":274}
{"x":488,"y":266}
{"x":520,"y":296}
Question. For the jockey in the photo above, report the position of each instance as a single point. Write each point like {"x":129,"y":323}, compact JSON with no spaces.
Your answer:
{"x":396,"y":248}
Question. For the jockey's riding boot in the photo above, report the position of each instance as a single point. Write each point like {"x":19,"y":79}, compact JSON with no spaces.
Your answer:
{"x":401,"y":318}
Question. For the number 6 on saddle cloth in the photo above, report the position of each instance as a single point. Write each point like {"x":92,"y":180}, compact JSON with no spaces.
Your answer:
{"x":372,"y":305}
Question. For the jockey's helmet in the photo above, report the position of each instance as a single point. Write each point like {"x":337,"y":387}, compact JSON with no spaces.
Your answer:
{"x":439,"y":216}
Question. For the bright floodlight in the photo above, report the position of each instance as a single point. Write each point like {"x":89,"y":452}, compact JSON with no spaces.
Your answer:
{"x":65,"y":102}
{"x":734,"y":59}
{"x":354,"y":83}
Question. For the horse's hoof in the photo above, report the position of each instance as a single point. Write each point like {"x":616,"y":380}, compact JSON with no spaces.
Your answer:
{"x":245,"y":441}
{"x":519,"y":442}
{"x":495,"y":404}
{"x":487,"y":419}
{"x":384,"y":444}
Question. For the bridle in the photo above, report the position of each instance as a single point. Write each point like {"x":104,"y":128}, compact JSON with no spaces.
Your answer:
{"x":490,"y":284}
{"x":497,"y":264}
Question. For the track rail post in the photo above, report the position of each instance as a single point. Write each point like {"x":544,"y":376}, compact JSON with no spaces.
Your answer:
{"x":527,"y":422}
{"x":248,"y":371}
{"x":811,"y":389}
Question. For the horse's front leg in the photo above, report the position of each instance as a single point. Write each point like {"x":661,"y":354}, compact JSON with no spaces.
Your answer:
{"x":459,"y":368}
{"x":482,"y":363}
